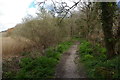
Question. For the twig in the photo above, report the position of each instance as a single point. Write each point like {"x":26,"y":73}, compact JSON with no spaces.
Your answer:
{"x":69,"y":10}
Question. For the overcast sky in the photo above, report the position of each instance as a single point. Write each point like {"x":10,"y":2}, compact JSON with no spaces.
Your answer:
{"x":12,"y":11}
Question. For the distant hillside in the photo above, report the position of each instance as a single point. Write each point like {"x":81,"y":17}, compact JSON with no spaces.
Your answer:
{"x":4,"y":33}
{"x":10,"y":30}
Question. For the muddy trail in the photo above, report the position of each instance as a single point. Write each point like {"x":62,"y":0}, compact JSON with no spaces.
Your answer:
{"x":68,"y":66}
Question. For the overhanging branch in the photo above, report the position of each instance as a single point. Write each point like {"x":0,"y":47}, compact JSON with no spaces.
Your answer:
{"x":69,"y":10}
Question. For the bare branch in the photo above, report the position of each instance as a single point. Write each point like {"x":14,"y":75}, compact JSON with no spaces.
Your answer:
{"x":70,"y":9}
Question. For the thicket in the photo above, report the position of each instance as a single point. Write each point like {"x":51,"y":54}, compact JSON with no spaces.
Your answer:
{"x":44,"y":30}
{"x":41,"y":32}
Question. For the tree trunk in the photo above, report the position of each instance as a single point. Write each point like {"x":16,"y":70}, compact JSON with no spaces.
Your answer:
{"x":107,"y":23}
{"x":118,"y":33}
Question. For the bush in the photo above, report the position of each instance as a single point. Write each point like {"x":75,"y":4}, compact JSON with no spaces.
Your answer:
{"x":43,"y":32}
{"x":41,"y":67}
{"x":88,"y":57}
{"x":51,"y":53}
{"x":85,"y":48}
{"x":25,"y":62}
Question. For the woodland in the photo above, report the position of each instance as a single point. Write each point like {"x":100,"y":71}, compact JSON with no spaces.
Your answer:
{"x":94,"y":27}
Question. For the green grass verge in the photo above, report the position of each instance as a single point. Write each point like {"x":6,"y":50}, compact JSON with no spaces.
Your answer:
{"x":96,"y":63}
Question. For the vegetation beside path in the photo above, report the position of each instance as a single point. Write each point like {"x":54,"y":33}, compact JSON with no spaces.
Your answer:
{"x":96,"y":63}
{"x":94,"y":58}
{"x":42,"y":66}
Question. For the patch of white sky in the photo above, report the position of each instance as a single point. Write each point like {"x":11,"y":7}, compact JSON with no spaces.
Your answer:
{"x":12,"y":11}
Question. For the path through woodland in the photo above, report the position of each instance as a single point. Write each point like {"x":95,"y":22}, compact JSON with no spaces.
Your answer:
{"x":68,"y":66}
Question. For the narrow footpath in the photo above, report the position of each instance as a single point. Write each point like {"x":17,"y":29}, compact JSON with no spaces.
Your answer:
{"x":69,"y":66}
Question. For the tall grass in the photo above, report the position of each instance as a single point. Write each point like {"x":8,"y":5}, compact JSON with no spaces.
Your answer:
{"x":12,"y":47}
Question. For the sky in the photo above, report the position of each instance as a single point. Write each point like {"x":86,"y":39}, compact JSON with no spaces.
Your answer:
{"x":12,"y":11}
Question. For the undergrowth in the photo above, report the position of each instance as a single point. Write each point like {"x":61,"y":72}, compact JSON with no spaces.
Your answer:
{"x":96,"y":62}
{"x":40,"y":67}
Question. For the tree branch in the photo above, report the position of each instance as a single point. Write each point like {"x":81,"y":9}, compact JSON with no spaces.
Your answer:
{"x":69,"y":10}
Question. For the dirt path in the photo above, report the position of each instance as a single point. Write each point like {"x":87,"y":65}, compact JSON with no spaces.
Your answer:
{"x":68,"y":67}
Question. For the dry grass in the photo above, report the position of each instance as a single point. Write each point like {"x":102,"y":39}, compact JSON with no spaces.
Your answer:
{"x":3,"y":34}
{"x":12,"y":47}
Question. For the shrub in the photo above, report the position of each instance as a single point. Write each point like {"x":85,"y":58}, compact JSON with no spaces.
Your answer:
{"x":43,"y":32}
{"x":88,"y":57}
{"x":85,"y":48}
{"x":51,"y":53}
{"x":41,"y":67}
{"x":25,"y":62}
